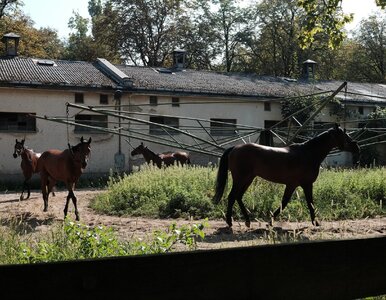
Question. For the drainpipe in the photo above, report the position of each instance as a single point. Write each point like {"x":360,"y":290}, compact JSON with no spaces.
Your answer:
{"x":119,"y":157}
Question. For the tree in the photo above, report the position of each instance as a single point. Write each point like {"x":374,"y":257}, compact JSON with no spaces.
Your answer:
{"x":104,"y":21}
{"x":326,"y":16}
{"x":39,"y":43}
{"x":80,"y":45}
{"x":149,"y":29}
{"x":6,"y":5}
{"x":368,"y":60}
{"x":275,"y":44}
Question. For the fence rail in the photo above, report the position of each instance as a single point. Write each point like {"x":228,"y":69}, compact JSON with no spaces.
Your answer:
{"x":345,"y":269}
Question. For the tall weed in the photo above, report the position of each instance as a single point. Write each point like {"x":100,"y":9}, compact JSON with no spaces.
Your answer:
{"x":187,"y":192}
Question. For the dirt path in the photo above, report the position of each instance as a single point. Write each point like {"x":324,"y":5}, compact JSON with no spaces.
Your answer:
{"x":30,"y":213}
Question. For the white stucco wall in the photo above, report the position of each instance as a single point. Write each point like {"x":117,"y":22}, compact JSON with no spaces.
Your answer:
{"x":51,"y":135}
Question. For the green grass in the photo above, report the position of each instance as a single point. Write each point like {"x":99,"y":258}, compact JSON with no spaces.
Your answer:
{"x":77,"y":241}
{"x":187,"y":192}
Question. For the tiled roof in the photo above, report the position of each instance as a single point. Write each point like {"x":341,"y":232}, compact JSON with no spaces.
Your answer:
{"x":244,"y":85}
{"x":211,"y":83}
{"x":60,"y":73}
{"x":55,"y":73}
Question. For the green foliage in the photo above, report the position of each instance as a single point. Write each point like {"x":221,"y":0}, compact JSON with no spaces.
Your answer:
{"x":323,"y":18}
{"x":187,"y":192}
{"x":78,"y":241}
{"x":299,"y":106}
{"x":169,"y":192}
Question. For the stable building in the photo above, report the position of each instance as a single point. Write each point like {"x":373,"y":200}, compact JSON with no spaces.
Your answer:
{"x":176,"y":97}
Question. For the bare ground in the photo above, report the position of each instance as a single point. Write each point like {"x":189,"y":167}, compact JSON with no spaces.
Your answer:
{"x":30,"y":214}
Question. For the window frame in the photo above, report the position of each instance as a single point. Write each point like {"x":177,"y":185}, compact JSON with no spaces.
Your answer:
{"x":22,"y":122}
{"x":169,"y":121}
{"x":79,"y":98}
{"x":175,"y":101}
{"x":92,"y":121}
{"x":103,"y":99}
{"x":153,"y":100}
{"x":219,"y":129}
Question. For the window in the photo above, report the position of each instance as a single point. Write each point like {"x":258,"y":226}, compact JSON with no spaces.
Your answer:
{"x":153,"y":100}
{"x":223,"y":126}
{"x":79,"y":98}
{"x":91,"y":120}
{"x":157,"y":130}
{"x":103,"y":99}
{"x":267,"y":106}
{"x":175,"y":101}
{"x":360,"y":110}
{"x":16,"y":122}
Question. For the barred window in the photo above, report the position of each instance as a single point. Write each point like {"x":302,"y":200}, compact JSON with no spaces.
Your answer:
{"x":221,"y":127}
{"x":17,"y":122}
{"x":90,"y":120}
{"x":157,"y":130}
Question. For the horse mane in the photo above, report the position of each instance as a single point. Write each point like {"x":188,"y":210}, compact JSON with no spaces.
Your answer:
{"x":152,"y":152}
{"x":321,"y":136}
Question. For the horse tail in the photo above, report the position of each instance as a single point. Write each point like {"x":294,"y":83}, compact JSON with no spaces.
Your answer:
{"x":222,"y":176}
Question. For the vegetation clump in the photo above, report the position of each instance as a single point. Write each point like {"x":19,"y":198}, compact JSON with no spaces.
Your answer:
{"x":187,"y":192}
{"x":74,"y":240}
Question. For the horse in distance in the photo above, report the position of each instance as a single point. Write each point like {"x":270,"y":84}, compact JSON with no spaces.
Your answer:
{"x":66,"y":166}
{"x":294,"y":165}
{"x":166,"y":159}
{"x":29,"y":161}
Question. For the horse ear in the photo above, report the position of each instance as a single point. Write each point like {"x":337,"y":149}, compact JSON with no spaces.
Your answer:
{"x":89,"y":140}
{"x":16,"y":141}
{"x":336,"y":126}
{"x":22,"y":141}
{"x":81,"y":139}
{"x":141,"y":143}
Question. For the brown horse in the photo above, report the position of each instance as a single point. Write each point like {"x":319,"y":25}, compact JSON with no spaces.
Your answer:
{"x":167,"y":158}
{"x":295,"y":165}
{"x":66,"y":166}
{"x":29,"y":161}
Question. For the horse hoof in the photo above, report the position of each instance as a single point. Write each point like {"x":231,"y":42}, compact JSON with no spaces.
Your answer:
{"x":248,"y":224}
{"x":21,"y":198}
{"x":316,"y":223}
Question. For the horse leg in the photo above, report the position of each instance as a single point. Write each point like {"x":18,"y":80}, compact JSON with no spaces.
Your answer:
{"x":239,"y":197}
{"x":24,"y":187}
{"x":28,"y":185}
{"x":74,"y":201}
{"x":231,"y":202}
{"x":66,"y":206}
{"x":44,"y":188}
{"x":289,"y":190}
{"x":51,"y":185}
{"x":71,"y":196}
{"x":307,"y":188}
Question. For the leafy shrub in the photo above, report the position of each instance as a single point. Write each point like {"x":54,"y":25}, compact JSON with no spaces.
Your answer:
{"x":78,"y":241}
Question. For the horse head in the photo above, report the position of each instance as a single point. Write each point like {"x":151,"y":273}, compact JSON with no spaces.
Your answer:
{"x":138,"y":150}
{"x":19,"y":148}
{"x":343,"y":141}
{"x":81,"y":152}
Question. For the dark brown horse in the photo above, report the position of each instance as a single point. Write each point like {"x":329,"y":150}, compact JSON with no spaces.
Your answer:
{"x":29,"y":161}
{"x":167,"y":158}
{"x":66,"y":166}
{"x":295,"y":165}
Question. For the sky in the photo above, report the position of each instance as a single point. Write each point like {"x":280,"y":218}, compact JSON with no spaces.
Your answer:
{"x":56,"y":13}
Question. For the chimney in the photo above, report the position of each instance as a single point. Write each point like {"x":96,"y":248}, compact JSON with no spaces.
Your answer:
{"x":308,"y":70}
{"x":179,"y":59}
{"x":11,"y":41}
